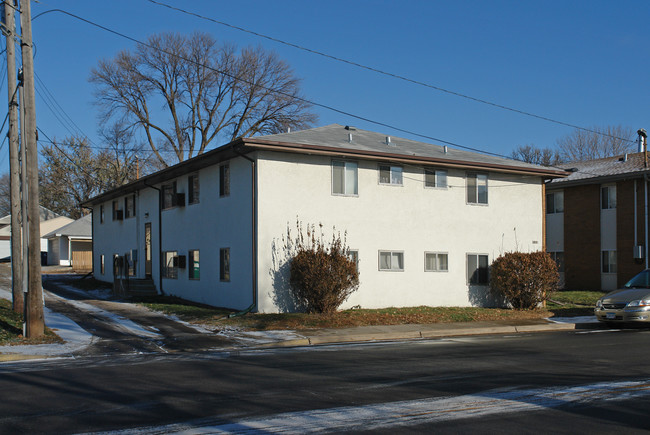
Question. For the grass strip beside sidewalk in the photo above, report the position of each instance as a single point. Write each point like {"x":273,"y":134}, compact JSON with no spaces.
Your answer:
{"x":11,"y":328}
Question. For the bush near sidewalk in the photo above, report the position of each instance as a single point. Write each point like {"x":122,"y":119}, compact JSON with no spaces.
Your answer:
{"x":323,"y":275}
{"x":524,"y":279}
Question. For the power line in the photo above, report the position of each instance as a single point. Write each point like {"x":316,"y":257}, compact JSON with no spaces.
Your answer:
{"x":382,"y":72}
{"x":313,"y":103}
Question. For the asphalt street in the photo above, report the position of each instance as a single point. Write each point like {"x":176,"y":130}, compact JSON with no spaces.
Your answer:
{"x":594,"y":381}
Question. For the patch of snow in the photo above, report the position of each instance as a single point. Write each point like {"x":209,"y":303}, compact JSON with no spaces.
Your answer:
{"x":259,"y":337}
{"x":75,"y":337}
{"x":122,"y":322}
{"x":577,"y":319}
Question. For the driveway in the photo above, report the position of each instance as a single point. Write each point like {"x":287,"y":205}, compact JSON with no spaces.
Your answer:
{"x":119,"y":327}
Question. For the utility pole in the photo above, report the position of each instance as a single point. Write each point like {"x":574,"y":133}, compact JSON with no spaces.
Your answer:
{"x":14,"y":169}
{"x":34,"y":322}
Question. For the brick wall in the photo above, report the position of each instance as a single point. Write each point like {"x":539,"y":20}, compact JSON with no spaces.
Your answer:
{"x":582,"y":237}
{"x":627,"y":266}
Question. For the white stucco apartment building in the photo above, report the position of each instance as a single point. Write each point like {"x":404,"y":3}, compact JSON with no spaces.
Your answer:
{"x":423,"y":221}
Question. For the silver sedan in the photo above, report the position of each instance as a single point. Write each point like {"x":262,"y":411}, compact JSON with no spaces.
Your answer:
{"x":628,"y":304}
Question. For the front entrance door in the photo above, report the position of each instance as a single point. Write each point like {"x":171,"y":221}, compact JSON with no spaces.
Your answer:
{"x":147,"y":250}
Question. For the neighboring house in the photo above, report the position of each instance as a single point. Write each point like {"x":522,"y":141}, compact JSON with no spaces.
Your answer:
{"x":597,"y":221}
{"x":49,"y":221}
{"x":423,"y":222}
{"x":71,"y":245}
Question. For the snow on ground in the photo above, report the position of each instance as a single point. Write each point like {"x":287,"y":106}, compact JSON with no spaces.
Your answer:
{"x":75,"y":337}
{"x":577,"y":319}
{"x":123,"y":323}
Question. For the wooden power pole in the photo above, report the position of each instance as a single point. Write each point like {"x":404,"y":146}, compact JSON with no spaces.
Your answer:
{"x":34,"y":322}
{"x":14,"y":169}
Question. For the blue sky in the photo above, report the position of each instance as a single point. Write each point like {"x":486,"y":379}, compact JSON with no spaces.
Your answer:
{"x":583,"y":62}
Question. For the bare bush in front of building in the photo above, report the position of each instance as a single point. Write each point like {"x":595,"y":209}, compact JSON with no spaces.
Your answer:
{"x":524,"y":279}
{"x":323,"y":275}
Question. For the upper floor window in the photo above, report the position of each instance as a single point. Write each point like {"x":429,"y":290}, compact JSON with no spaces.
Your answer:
{"x":116,"y":211}
{"x":477,"y":268}
{"x":129,"y":206}
{"x":555,"y":202}
{"x":224,"y":180}
{"x":391,"y":260}
{"x":193,"y":188}
{"x":345,"y":178}
{"x":169,"y":195}
{"x":101,"y":214}
{"x":477,"y":188}
{"x":608,"y":197}
{"x":435,"y":178}
{"x":390,"y":175}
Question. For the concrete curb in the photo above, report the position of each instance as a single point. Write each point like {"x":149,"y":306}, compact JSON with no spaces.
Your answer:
{"x":425,"y":334}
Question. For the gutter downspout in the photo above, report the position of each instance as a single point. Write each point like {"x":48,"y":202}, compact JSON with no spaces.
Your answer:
{"x":645,"y":230}
{"x":253,"y":232}
{"x":636,"y":211}
{"x":160,"y":257}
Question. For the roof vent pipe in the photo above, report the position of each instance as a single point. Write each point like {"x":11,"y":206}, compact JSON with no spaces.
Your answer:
{"x":388,"y":141}
{"x":288,"y":129}
{"x":349,"y":137}
{"x":643,"y":145}
{"x":445,"y":149}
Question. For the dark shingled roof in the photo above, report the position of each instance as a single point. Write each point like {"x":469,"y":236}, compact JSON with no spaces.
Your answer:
{"x":601,"y":170}
{"x":336,"y":136}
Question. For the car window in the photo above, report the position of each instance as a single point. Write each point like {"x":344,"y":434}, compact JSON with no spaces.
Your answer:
{"x":640,"y":280}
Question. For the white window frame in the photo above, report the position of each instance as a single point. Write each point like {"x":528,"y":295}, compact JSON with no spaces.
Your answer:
{"x":224,"y":180}
{"x":353,"y":254}
{"x":608,"y":202}
{"x":391,"y":170}
{"x":345,"y":173}
{"x":478,"y":262}
{"x":607,"y":265}
{"x":560,"y":262}
{"x":475,"y":176}
{"x":555,"y":209}
{"x":169,"y":270}
{"x":442,"y":173}
{"x":391,"y":255}
{"x":192,"y":193}
{"x":190,"y":264}
{"x":436,"y":253}
{"x":224,"y":264}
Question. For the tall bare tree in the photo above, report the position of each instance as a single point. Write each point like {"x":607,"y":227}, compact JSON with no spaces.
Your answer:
{"x":602,"y":142}
{"x":538,"y":156}
{"x":72,"y":171}
{"x":183,"y":91}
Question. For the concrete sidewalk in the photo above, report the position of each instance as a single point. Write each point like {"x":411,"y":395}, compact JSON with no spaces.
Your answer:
{"x":430,"y":331}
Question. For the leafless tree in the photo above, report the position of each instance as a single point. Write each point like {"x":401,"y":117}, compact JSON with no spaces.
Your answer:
{"x":538,"y":156}
{"x":602,"y":142}
{"x":73,"y":171}
{"x":183,"y":91}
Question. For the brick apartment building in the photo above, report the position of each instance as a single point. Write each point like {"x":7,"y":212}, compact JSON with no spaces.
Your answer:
{"x":597,"y":221}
